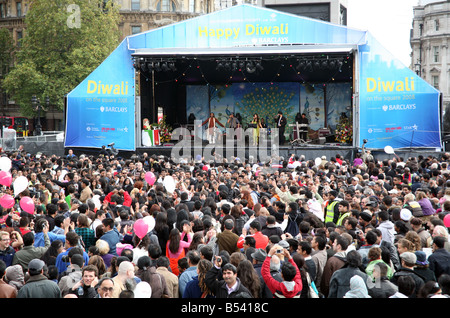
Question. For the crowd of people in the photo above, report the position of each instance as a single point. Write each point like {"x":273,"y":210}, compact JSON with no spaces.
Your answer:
{"x":288,"y":228}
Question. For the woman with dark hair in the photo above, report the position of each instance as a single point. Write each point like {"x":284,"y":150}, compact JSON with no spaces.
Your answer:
{"x":52,"y":252}
{"x":302,"y":267}
{"x":161,"y":230}
{"x":401,"y":229}
{"x":249,"y":278}
{"x":197,"y":239}
{"x":175,"y":247}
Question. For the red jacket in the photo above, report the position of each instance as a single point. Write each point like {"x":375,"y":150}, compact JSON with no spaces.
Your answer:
{"x":126,"y":198}
{"x":279,"y":289}
{"x":261,"y":240}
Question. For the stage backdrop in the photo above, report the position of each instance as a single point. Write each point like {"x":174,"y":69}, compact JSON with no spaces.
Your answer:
{"x":394,"y":106}
{"x":266,"y":99}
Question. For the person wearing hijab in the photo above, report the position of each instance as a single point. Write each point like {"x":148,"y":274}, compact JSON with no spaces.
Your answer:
{"x":358,"y":288}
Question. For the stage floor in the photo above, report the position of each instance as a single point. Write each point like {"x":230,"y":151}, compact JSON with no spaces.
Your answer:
{"x":310,"y":151}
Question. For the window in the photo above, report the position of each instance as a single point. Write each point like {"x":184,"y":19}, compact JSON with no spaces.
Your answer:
{"x":191,"y":5}
{"x":435,"y":54}
{"x":166,"y":6}
{"x":19,"y":36}
{"x":2,"y":10}
{"x":135,"y":29}
{"x":135,"y":5}
{"x":19,"y":9}
{"x":435,"y":81}
{"x":436,"y":25}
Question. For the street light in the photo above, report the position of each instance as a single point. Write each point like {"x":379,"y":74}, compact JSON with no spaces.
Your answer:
{"x":417,"y":67}
{"x":37,"y":106}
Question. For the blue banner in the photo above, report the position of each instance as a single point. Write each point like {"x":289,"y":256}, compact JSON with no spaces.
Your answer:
{"x":101,"y":109}
{"x":397,"y":107}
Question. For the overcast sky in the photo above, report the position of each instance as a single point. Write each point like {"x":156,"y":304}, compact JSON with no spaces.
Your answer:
{"x":389,"y":21}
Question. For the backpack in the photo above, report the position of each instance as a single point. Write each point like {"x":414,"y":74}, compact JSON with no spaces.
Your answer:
{"x":292,"y":226}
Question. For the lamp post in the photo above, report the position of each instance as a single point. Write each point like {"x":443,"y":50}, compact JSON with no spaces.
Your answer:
{"x":37,"y":106}
{"x":417,"y":67}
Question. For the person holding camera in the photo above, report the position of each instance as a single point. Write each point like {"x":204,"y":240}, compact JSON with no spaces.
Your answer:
{"x":292,"y":285}
{"x":230,"y":286}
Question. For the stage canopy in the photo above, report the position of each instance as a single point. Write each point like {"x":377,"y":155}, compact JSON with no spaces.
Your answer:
{"x":389,"y":104}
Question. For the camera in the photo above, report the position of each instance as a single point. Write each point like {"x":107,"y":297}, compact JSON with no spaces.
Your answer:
{"x":279,"y":251}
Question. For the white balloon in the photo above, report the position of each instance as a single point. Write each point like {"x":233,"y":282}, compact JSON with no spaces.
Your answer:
{"x":318,"y":161}
{"x":388,"y":150}
{"x":169,"y":184}
{"x":150,"y":221}
{"x":20,"y":184}
{"x":5,"y":164}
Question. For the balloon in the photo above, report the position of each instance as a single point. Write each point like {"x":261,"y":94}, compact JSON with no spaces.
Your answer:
{"x":5,"y":164}
{"x":318,"y":161}
{"x":27,"y":204}
{"x":7,"y":201}
{"x":20,"y":184}
{"x":447,"y":220}
{"x":140,"y":228}
{"x":388,"y":150}
{"x":150,"y":221}
{"x":205,"y":168}
{"x":5,"y":178}
{"x":150,"y":178}
{"x":169,"y":184}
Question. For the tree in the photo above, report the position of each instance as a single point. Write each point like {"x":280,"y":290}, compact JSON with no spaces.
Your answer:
{"x":6,"y":51}
{"x":65,"y":41}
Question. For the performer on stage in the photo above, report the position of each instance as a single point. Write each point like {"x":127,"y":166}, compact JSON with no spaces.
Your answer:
{"x":281,"y":122}
{"x":303,"y":127}
{"x":256,"y":124}
{"x":232,"y":122}
{"x":212,"y":127}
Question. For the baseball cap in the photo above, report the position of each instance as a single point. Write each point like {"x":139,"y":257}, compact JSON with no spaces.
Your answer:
{"x":35,"y":266}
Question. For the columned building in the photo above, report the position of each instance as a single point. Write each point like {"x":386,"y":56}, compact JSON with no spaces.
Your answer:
{"x":430,"y":39}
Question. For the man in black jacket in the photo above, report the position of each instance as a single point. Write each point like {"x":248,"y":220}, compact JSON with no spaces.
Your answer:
{"x":230,"y":286}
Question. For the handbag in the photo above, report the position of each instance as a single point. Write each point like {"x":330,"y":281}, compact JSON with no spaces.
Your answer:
{"x":312,"y":291}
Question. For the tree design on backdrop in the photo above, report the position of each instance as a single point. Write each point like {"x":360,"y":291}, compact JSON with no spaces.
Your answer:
{"x":266,"y":102}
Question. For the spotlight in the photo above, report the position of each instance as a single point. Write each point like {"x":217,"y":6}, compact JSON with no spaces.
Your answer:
{"x":308,"y":66}
{"x":164,"y":67}
{"x":259,"y":67}
{"x":324,"y":64}
{"x":316,"y":65}
{"x":220,"y":66}
{"x":157,"y":66}
{"x":241,"y":64}
{"x":143,"y":67}
{"x":301,"y":66}
{"x":172,"y":66}
{"x":332,"y":64}
{"x":250,"y":68}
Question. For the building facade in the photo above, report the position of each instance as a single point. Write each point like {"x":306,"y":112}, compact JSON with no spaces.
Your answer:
{"x":430,"y":39}
{"x":334,"y":11}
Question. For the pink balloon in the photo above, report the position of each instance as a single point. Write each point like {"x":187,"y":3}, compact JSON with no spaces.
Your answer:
{"x":5,"y":178}
{"x":150,"y":178}
{"x":27,"y":204}
{"x":447,"y":220}
{"x":7,"y":201}
{"x":140,"y":228}
{"x":205,"y":168}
